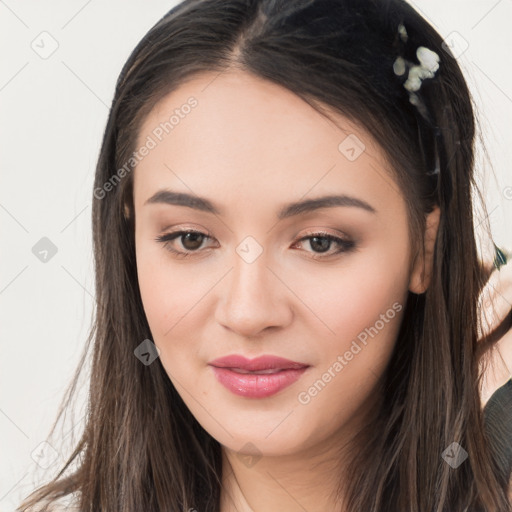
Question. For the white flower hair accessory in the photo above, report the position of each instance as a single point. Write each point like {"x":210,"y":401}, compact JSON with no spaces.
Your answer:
{"x":429,"y":64}
{"x":427,"y":68}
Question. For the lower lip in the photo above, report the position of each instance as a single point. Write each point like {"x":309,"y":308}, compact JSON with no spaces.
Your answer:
{"x":254,"y":385}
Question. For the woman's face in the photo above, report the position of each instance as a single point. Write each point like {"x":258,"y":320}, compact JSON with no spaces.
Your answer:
{"x":252,"y":163}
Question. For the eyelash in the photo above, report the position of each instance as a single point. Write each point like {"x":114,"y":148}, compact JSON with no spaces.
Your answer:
{"x":344,"y":245}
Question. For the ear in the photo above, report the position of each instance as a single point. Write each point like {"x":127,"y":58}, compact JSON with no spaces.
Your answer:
{"x":422,"y":265}
{"x":127,"y":212}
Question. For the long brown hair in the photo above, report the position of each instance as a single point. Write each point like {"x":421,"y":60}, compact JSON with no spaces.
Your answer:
{"x":141,"y":448}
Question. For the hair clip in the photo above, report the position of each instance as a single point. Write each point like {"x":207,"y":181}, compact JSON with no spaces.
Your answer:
{"x":428,"y":65}
{"x":427,"y":68}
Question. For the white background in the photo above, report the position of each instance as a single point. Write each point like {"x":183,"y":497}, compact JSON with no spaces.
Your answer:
{"x":53,"y":112}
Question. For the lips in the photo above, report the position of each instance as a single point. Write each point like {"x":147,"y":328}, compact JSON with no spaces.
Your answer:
{"x":260,"y":364}
{"x":256,"y":378}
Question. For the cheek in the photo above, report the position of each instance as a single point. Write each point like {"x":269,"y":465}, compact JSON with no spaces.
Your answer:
{"x":365,"y":312}
{"x":351,"y":297}
{"x":152,"y":284}
{"x":362,"y":308}
{"x":165,"y":295}
{"x":168,"y":300}
{"x":167,"y":290}
{"x":175,"y":299}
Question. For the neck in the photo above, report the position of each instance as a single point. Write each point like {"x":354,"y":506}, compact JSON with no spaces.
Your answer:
{"x":292,"y":483}
{"x":307,"y":480}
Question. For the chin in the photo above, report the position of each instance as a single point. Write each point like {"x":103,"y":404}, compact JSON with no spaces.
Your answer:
{"x":266,"y":432}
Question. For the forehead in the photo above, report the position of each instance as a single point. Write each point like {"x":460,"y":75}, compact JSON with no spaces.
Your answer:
{"x":235,"y":134}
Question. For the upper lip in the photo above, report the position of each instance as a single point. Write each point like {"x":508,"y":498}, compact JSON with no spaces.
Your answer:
{"x":265,"y":362}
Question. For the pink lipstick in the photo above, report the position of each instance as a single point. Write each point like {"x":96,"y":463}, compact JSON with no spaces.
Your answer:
{"x":256,"y":378}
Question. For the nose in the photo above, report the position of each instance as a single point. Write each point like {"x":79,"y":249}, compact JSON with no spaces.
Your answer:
{"x":253,"y":298}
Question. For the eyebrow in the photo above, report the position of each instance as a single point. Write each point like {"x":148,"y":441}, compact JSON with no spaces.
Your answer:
{"x":289,"y":210}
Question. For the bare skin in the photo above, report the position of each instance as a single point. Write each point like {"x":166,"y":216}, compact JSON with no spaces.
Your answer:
{"x":252,"y":147}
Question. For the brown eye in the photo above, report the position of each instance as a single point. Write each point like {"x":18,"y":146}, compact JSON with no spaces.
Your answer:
{"x":322,"y":242}
{"x":189,"y":240}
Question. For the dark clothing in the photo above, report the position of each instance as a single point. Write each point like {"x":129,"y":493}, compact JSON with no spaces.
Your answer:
{"x":498,"y":425}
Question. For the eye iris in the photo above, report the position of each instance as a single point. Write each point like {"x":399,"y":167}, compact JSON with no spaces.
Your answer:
{"x":324,"y":245}
{"x":192,"y":237}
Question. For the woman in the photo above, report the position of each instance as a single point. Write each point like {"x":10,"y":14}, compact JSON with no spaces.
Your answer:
{"x":286,"y":270}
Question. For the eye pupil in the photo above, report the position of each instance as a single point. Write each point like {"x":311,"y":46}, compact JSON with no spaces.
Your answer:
{"x":191,"y":242}
{"x":192,"y":237}
{"x":324,"y":246}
